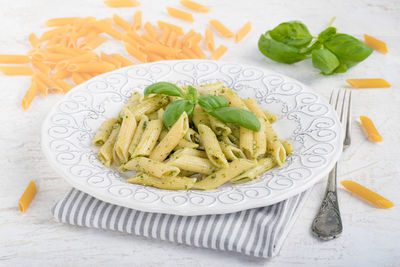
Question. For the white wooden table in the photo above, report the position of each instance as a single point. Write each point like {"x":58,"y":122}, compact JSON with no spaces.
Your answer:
{"x":371,"y":236}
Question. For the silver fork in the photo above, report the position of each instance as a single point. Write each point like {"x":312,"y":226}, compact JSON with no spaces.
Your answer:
{"x":328,"y":224}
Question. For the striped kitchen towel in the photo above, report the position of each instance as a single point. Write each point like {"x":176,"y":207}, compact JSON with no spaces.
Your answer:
{"x":256,"y":232}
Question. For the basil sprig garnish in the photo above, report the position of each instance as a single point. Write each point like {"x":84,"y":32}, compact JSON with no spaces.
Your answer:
{"x":216,"y":106}
{"x":331,"y":52}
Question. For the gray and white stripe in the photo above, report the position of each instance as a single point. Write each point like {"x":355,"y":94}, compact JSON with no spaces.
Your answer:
{"x":256,"y":232}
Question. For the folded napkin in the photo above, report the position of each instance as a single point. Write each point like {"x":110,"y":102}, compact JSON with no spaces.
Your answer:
{"x":256,"y":232}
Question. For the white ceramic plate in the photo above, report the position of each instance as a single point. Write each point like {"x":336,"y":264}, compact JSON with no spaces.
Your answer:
{"x":305,"y":119}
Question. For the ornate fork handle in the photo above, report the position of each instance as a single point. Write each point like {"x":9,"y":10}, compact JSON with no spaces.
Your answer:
{"x":328,"y":224}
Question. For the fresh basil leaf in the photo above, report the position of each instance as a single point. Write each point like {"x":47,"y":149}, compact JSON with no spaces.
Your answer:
{"x":348,"y":49}
{"x":212,"y":102}
{"x":308,"y":50}
{"x":327,"y":34}
{"x":191,"y":93}
{"x":292,"y":33}
{"x":279,"y":52}
{"x":341,"y":68}
{"x":237,"y":116}
{"x":174,"y":110}
{"x":325,"y":60}
{"x":164,"y":88}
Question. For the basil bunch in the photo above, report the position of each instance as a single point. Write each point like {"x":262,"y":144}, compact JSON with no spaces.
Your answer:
{"x":216,"y":106}
{"x":331,"y":52}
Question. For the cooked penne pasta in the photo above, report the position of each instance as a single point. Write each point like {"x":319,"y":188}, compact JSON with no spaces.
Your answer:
{"x":172,"y":183}
{"x":191,"y":163}
{"x":231,"y":151}
{"x":105,"y":153}
{"x":125,"y":135}
{"x":221,"y":29}
{"x":171,"y":140}
{"x":211,"y":145}
{"x":224,"y":175}
{"x":242,"y":32}
{"x":209,"y":150}
{"x":179,"y":14}
{"x":148,"y":139}
{"x":270,"y":117}
{"x":151,"y":167}
{"x":138,"y":133}
{"x":194,"y":6}
{"x":262,"y":166}
{"x":104,"y":132}
{"x":218,"y":126}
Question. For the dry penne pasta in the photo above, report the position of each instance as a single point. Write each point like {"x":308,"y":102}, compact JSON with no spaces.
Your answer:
{"x":179,"y":14}
{"x":368,"y":83}
{"x":172,"y":27}
{"x":221,"y":29}
{"x":10,"y":70}
{"x":376,"y":44}
{"x":33,"y":40}
{"x":151,"y":30}
{"x":209,"y":39}
{"x":242,"y":32}
{"x":136,"y":53}
{"x":123,"y":24}
{"x":219,"y":52}
{"x":194,"y":6}
{"x":27,"y":197}
{"x":121,"y":3}
{"x":60,"y":21}
{"x":30,"y":94}
{"x":370,"y":129}
{"x":124,"y":61}
{"x":98,"y":67}
{"x":63,"y":85}
{"x":137,"y":20}
{"x":161,"y":50}
{"x":14,"y":59}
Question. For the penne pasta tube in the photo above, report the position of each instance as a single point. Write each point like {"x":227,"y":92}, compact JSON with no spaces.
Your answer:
{"x":194,"y":6}
{"x":224,"y":175}
{"x":34,"y":41}
{"x":96,"y":42}
{"x":218,"y":126}
{"x":192,"y":163}
{"x":242,"y":32}
{"x":151,"y":167}
{"x":211,"y":145}
{"x":138,"y":133}
{"x":179,"y":14}
{"x":30,"y":94}
{"x":124,"y":61}
{"x":60,"y":21}
{"x":197,"y":50}
{"x":190,"y":152}
{"x":270,"y":117}
{"x":231,"y":152}
{"x":260,"y":141}
{"x":105,"y":154}
{"x":161,"y":50}
{"x":151,"y":30}
{"x":125,"y":135}
{"x":63,"y":85}
{"x":121,"y":3}
{"x":171,"y":140}
{"x":98,"y":67}
{"x":149,"y":105}
{"x":136,"y":53}
{"x":171,"y":40}
{"x":262,"y":166}
{"x":148,"y":139}
{"x":209,"y":39}
{"x":137,"y":20}
{"x":14,"y":59}
{"x":104,"y":132}
{"x":185,"y":143}
{"x":27,"y":197}
{"x":192,"y":136}
{"x":77,"y":78}
{"x":42,"y":67}
{"x":199,"y":117}
{"x":7,"y":70}
{"x":110,"y":59}
{"x":164,"y":35}
{"x":219,"y":52}
{"x":172,"y":27}
{"x":173,"y":183}
{"x":123,"y":24}
{"x":221,"y":29}
{"x":287,"y":146}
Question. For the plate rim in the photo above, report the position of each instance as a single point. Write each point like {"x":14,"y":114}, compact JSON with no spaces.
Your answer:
{"x":200,"y":210}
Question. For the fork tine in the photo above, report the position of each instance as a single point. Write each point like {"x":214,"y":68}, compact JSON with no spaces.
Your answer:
{"x":343,"y":105}
{"x":347,"y":138}
{"x":337,"y":100}
{"x":331,"y":97}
